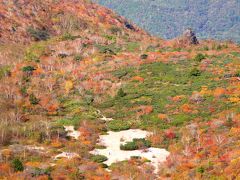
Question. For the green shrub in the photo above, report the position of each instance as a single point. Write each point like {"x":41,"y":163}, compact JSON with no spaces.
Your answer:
{"x":144,"y":56}
{"x":117,"y":125}
{"x":120,"y":73}
{"x":180,"y":119}
{"x":129,"y":146}
{"x":41,"y":137}
{"x":195,"y":72}
{"x":151,"y":48}
{"x":110,"y":49}
{"x":28,"y":69}
{"x":132,"y":46}
{"x":38,"y":34}
{"x":121,"y":93}
{"x":4,"y":71}
{"x":136,"y":157}
{"x":68,"y":36}
{"x":78,"y":58}
{"x":104,"y":165}
{"x":99,"y":158}
{"x":200,"y":170}
{"x":206,"y":48}
{"x":33,"y":99}
{"x":110,"y":38}
{"x":17,"y":165}
{"x":30,"y":56}
{"x":199,"y":57}
{"x":237,"y":74}
{"x":100,"y":147}
{"x":135,"y":144}
{"x":115,"y":30}
{"x":40,"y":172}
{"x":6,"y":135}
{"x":62,"y":55}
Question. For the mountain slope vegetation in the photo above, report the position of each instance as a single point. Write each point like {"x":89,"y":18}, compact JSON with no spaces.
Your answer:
{"x":23,"y":21}
{"x":57,"y":90}
{"x":169,"y":18}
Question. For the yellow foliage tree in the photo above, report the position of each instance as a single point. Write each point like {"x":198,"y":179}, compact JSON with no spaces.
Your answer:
{"x":68,"y":86}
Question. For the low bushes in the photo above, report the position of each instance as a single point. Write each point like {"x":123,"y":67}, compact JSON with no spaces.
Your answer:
{"x":28,"y":69}
{"x":68,"y":36}
{"x":144,"y":56}
{"x":38,"y":34}
{"x":99,"y":158}
{"x":195,"y":72}
{"x":121,"y":93}
{"x":136,"y":144}
{"x":33,"y":99}
{"x":199,"y":57}
{"x":78,"y":58}
{"x":4,"y":71}
{"x":17,"y":165}
{"x":117,"y":125}
{"x":110,"y":49}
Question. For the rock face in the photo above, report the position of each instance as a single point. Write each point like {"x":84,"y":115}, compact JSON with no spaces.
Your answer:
{"x":190,"y":36}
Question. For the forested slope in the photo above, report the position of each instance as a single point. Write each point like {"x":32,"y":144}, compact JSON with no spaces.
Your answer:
{"x":218,"y":19}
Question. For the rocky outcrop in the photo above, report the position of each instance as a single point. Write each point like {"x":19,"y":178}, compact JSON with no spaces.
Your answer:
{"x":188,"y":38}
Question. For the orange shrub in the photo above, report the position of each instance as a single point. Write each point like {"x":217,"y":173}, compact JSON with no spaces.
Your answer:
{"x":43,"y":177}
{"x":33,"y":164}
{"x":218,"y":92}
{"x":138,"y":78}
{"x":146,"y":110}
{"x":177,"y":98}
{"x":162,"y":116}
{"x":4,"y":168}
{"x":186,"y":108}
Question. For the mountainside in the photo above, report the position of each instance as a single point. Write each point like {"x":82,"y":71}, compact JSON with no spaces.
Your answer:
{"x":22,"y":21}
{"x":79,"y":84}
{"x":218,"y":19}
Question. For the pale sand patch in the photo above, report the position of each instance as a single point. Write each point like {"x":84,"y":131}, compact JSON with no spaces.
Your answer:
{"x":113,"y":140}
{"x":72,"y":132}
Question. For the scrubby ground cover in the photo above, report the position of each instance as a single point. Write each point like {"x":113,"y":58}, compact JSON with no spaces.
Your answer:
{"x":188,"y":97}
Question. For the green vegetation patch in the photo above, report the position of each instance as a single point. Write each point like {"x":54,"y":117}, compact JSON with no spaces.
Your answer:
{"x":135,"y":144}
{"x":99,"y":158}
{"x":119,"y":125}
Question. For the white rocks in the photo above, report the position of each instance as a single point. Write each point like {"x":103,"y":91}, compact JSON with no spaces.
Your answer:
{"x":104,"y":118}
{"x":67,"y":155}
{"x":71,"y":132}
{"x":37,"y":148}
{"x":113,"y":140}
